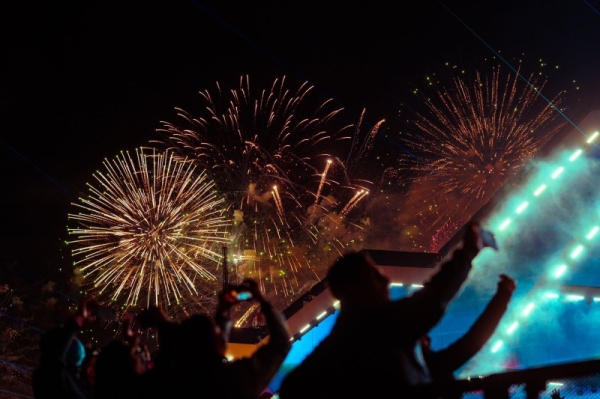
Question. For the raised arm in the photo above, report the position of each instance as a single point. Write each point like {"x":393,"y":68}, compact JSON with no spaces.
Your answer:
{"x":255,"y":373}
{"x":446,"y":361}
{"x":426,"y":306}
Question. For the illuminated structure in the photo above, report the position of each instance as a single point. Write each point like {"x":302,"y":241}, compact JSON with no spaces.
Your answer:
{"x":546,"y":222}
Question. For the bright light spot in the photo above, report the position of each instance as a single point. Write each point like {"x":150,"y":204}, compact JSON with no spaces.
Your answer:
{"x":575,"y":155}
{"x":336,"y":304}
{"x":539,"y":190}
{"x":596,"y":299}
{"x":306,"y":327}
{"x":576,"y":252}
{"x":555,"y":383}
{"x":497,"y":346}
{"x":560,"y":271}
{"x":528,"y":309}
{"x":512,"y":327}
{"x":397,"y":285}
{"x":557,"y":172}
{"x":416,"y":285}
{"x":574,"y":297}
{"x":592,"y":137}
{"x":319,"y":317}
{"x":522,"y":207}
{"x":592,"y":233}
{"x":504,"y":224}
{"x":551,"y":295}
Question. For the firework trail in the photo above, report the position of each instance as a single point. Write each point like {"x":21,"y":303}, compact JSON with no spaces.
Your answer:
{"x":285,"y":167}
{"x":150,"y":232}
{"x":474,"y":135}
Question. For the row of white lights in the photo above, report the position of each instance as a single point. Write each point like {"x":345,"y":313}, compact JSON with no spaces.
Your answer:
{"x":503,"y":226}
{"x":575,"y":253}
{"x":335,"y":305}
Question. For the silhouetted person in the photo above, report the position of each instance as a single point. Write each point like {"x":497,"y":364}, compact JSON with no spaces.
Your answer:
{"x":120,"y":366}
{"x":61,"y":354}
{"x":196,"y":362}
{"x":443,"y":363}
{"x":371,"y":349}
{"x":158,"y":379}
{"x":88,"y":367}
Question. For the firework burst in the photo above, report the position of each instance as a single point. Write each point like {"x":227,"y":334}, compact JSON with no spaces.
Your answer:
{"x":150,"y":232}
{"x":474,"y":135}
{"x":286,"y":170}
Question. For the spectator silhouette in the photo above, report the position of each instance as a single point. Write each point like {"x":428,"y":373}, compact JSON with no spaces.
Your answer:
{"x":120,"y":366}
{"x":88,"y":367}
{"x":371,"y":350}
{"x":443,"y":363}
{"x":158,"y":379}
{"x":197,"y":362}
{"x":62,"y":353}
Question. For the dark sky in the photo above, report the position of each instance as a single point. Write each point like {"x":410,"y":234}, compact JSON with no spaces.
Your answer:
{"x":82,"y":81}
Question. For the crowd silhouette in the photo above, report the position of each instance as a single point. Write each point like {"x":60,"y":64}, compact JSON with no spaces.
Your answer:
{"x":376,"y":346}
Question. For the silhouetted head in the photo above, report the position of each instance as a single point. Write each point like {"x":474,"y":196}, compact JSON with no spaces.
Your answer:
{"x":117,"y":368}
{"x":51,"y":346}
{"x":354,"y":279}
{"x":199,"y":339}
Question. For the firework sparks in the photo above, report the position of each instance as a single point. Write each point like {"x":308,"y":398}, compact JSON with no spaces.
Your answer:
{"x":473,"y":137}
{"x":152,"y":226}
{"x":278,"y":160}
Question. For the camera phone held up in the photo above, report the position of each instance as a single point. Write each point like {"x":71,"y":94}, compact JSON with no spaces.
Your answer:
{"x":488,"y":238}
{"x":238,"y":293}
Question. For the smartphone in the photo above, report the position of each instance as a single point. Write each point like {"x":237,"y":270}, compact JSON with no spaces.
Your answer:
{"x":243,"y":295}
{"x":239,"y":293}
{"x":488,"y":238}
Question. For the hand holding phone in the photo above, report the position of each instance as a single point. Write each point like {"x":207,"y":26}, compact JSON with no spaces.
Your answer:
{"x":236,"y":293}
{"x":488,"y":238}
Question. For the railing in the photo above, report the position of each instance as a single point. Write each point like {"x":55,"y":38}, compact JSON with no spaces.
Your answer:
{"x":584,"y":377}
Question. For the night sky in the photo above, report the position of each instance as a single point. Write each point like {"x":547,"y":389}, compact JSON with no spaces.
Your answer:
{"x":82,"y":81}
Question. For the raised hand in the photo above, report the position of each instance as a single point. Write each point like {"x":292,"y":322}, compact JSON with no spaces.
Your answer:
{"x":254,"y":289}
{"x":555,"y":394}
{"x":506,"y":284}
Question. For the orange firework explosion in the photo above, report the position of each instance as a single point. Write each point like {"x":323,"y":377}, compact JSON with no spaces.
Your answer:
{"x":150,"y":232}
{"x":286,"y":168}
{"x":474,"y":136}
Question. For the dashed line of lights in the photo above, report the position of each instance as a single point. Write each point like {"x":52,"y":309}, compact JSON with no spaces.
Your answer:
{"x":542,"y":187}
{"x":315,"y":322}
{"x":575,"y":250}
{"x":332,"y":309}
{"x":578,"y":249}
